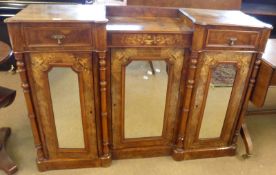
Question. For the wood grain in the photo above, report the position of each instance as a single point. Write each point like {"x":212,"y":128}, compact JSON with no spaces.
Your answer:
{"x":191,"y":42}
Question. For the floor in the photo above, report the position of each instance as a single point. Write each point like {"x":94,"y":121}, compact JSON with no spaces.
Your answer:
{"x":262,"y":128}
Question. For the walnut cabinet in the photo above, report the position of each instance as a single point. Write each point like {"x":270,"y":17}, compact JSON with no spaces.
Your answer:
{"x":115,"y":82}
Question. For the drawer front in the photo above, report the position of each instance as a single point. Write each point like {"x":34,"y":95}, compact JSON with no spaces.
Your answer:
{"x":232,"y":39}
{"x":58,"y":36}
{"x":149,"y":40}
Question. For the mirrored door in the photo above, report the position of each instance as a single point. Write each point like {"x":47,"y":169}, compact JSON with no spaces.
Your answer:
{"x":145,"y":96}
{"x":218,"y":93}
{"x":64,"y":97}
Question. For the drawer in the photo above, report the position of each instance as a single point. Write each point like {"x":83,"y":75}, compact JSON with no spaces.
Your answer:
{"x":149,"y":40}
{"x":232,"y":39}
{"x":58,"y":36}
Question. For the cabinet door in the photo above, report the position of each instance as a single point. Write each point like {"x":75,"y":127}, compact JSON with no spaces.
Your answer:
{"x":219,"y":90}
{"x":63,"y":94}
{"x":145,"y":94}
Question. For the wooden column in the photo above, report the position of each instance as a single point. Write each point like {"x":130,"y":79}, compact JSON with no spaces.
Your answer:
{"x":21,"y":69}
{"x":101,"y":47}
{"x":178,"y":151}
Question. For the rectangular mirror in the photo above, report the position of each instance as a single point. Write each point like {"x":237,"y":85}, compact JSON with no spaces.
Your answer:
{"x":65,"y":97}
{"x":222,"y":79}
{"x":145,"y":98}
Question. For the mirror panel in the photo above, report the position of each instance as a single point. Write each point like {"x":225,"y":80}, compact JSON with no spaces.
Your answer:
{"x":219,"y":93}
{"x":145,"y":98}
{"x":65,"y":97}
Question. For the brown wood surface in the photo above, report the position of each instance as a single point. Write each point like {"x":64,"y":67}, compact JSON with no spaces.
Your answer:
{"x":247,"y":140}
{"x":232,"y":38}
{"x":267,"y":74}
{"x":60,"y":13}
{"x":7,"y":96}
{"x":147,"y":24}
{"x":207,"y":63}
{"x":5,"y":52}
{"x":6,"y":164}
{"x":223,"y":17}
{"x":70,"y":35}
{"x":160,"y":145}
{"x":77,"y":38}
{"x":262,"y":84}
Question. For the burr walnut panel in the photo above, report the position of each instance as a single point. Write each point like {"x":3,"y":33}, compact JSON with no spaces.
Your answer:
{"x":207,"y":63}
{"x":58,"y":36}
{"x":150,"y":40}
{"x":39,"y":65}
{"x":158,"y":145}
{"x":217,"y":38}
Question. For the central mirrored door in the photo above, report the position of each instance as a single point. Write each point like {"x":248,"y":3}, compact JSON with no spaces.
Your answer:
{"x":145,"y":90}
{"x":145,"y":95}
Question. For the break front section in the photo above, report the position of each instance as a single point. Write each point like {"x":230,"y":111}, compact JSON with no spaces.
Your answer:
{"x":148,"y":62}
{"x":145,"y":100}
{"x":60,"y":73}
{"x":221,"y":77}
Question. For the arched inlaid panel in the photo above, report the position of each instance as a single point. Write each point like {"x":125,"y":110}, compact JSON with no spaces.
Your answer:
{"x":145,"y":95}
{"x":219,"y":88}
{"x":64,"y":100}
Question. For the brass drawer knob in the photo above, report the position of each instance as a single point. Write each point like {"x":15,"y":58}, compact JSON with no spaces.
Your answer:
{"x":232,"y":41}
{"x":59,"y":38}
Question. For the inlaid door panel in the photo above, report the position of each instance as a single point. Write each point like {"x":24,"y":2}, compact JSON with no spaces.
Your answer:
{"x":64,"y":103}
{"x":219,"y":89}
{"x":145,"y":95}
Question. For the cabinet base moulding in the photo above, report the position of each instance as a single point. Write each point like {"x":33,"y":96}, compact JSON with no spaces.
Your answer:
{"x":141,"y":152}
{"x":56,"y":164}
{"x":204,"y":153}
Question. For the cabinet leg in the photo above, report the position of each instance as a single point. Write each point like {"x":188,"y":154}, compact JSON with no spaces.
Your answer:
{"x":6,"y":164}
{"x":247,"y":140}
{"x":151,"y":67}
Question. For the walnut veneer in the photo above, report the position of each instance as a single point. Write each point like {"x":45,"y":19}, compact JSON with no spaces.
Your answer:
{"x":99,"y":43}
{"x":267,"y":74}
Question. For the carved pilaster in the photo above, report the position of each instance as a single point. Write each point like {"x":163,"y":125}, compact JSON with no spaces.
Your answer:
{"x":186,"y":106}
{"x":26,"y":89}
{"x":103,"y":94}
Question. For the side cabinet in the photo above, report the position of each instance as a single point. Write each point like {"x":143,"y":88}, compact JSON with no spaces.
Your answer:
{"x":62,"y":67}
{"x":223,"y":65}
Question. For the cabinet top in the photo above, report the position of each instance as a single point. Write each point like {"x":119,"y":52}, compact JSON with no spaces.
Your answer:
{"x":223,"y":17}
{"x":101,"y":14}
{"x":61,"y":13}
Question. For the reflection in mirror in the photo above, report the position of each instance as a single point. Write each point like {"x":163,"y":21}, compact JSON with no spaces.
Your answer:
{"x":220,"y":88}
{"x":145,"y":97}
{"x":64,"y":89}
